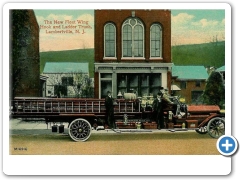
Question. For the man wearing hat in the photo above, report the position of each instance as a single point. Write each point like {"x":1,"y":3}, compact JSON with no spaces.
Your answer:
{"x":158,"y":105}
{"x":158,"y":111}
{"x":109,"y":111}
{"x":165,"y":96}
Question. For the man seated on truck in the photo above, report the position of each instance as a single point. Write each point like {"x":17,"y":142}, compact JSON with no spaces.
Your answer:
{"x":165,"y":96}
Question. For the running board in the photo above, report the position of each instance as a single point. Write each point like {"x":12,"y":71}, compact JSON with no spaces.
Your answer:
{"x":131,"y":130}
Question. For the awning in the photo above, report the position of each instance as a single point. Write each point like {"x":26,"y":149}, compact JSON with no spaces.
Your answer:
{"x":43,"y":77}
{"x":175,"y":88}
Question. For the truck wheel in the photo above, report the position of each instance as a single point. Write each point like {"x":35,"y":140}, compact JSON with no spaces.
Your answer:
{"x":80,"y":130}
{"x":202,"y":130}
{"x":216,"y":127}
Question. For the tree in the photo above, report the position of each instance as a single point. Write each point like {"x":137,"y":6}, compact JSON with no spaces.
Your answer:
{"x":88,"y":90}
{"x":82,"y":85}
{"x":73,"y":84}
{"x":78,"y":83}
{"x":24,"y":59}
{"x":18,"y":19}
{"x":214,"y":93}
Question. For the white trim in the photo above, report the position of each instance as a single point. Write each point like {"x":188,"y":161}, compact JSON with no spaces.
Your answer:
{"x":164,"y":79}
{"x":155,"y":65}
{"x":133,"y":58}
{"x":99,"y":87}
{"x":109,"y":58}
{"x":155,"y":58}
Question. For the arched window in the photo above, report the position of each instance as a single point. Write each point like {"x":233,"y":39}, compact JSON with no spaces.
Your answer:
{"x":132,"y":38}
{"x":156,"y":40}
{"x":109,"y":40}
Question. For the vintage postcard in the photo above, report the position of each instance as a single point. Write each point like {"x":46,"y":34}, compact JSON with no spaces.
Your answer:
{"x":138,"y":87}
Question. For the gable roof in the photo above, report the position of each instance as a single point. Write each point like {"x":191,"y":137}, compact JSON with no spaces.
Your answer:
{"x":65,"y":67}
{"x":189,"y":72}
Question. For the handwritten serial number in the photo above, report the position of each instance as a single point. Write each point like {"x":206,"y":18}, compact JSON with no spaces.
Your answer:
{"x":20,"y":149}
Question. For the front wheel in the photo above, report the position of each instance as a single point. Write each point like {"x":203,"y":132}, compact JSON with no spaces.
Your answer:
{"x":80,"y":130}
{"x":216,"y":127}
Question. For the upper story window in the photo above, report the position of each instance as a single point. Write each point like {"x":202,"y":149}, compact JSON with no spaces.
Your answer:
{"x":132,"y":38}
{"x":198,"y":84}
{"x":183,"y":85}
{"x":109,"y":40}
{"x":156,"y":40}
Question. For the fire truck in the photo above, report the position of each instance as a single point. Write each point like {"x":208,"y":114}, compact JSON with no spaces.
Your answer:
{"x":85,"y":115}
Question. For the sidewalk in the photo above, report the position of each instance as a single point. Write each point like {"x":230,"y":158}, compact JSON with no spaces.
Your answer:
{"x":33,"y":127}
{"x":18,"y":126}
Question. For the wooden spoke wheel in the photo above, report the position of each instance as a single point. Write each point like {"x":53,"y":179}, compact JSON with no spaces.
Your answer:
{"x":216,"y":127}
{"x":80,"y":130}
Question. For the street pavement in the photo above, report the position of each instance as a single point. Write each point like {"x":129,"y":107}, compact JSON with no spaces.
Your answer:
{"x":36,"y":138}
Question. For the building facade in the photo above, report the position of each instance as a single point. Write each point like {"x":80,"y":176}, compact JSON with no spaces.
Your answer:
{"x":132,"y":51}
{"x":191,"y":80}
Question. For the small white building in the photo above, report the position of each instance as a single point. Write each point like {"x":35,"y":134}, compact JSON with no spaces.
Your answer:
{"x":68,"y":79}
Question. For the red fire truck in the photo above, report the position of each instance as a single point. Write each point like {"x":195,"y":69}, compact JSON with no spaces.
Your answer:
{"x":83,"y":115}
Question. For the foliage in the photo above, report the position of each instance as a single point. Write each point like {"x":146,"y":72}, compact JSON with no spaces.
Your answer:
{"x":82,"y":85}
{"x":78,"y":55}
{"x":88,"y":90}
{"x":207,"y":54}
{"x":75,"y":85}
{"x":214,"y":93}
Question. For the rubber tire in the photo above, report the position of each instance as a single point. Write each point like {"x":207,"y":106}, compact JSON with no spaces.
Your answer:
{"x":80,"y":130}
{"x":202,"y":130}
{"x":216,"y":127}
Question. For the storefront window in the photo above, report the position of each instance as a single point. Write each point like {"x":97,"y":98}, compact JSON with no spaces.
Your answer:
{"x":140,"y":84}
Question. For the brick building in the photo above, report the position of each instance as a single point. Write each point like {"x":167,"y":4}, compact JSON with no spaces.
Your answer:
{"x":192,"y":82}
{"x":132,"y":51}
{"x":24,"y":54}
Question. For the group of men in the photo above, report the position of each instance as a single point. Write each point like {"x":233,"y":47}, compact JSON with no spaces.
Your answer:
{"x":157,"y":109}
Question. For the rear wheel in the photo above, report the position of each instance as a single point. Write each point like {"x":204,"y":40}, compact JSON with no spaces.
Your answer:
{"x":216,"y":127}
{"x":80,"y":130}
